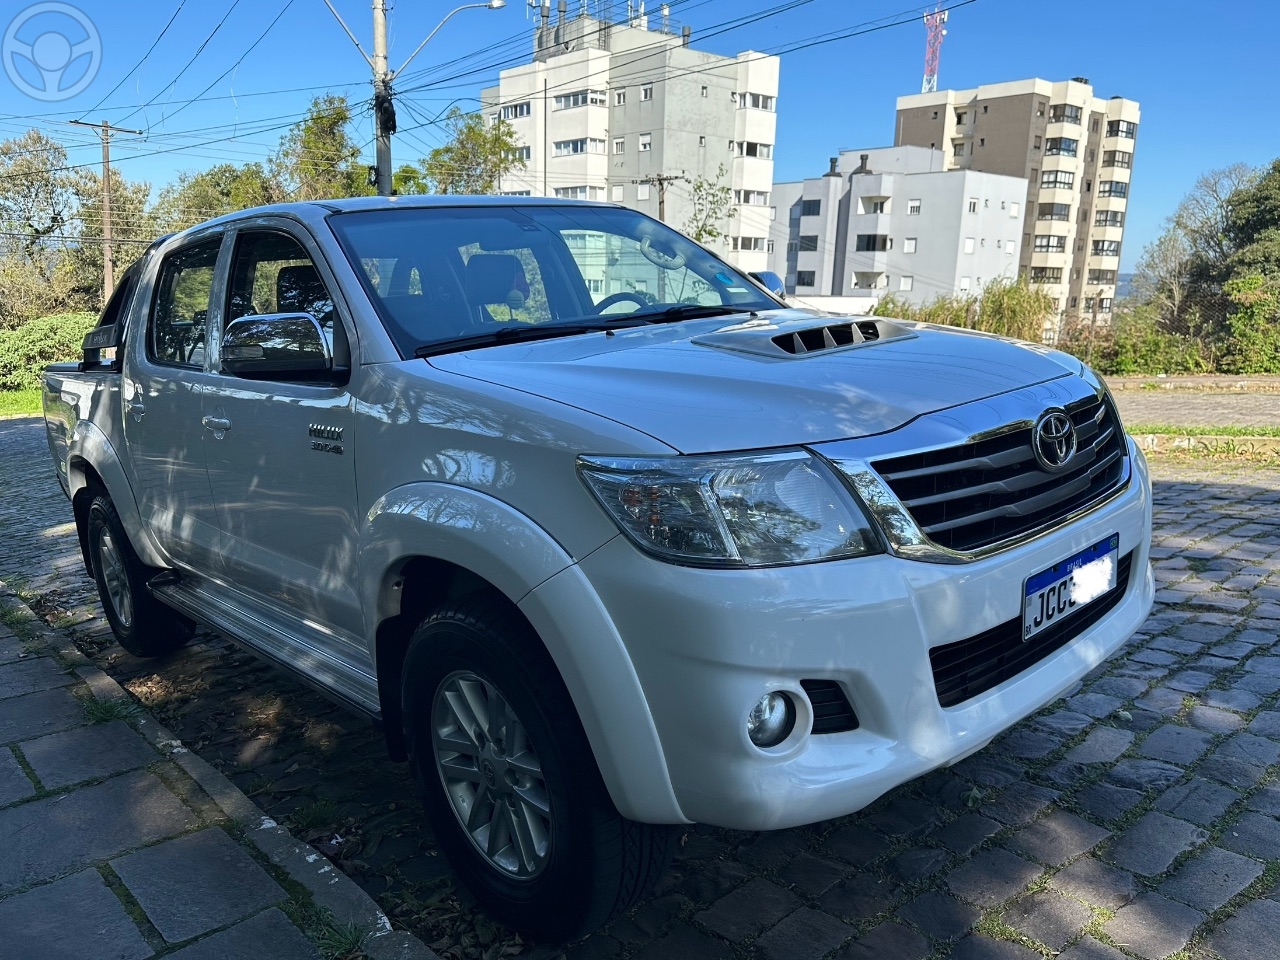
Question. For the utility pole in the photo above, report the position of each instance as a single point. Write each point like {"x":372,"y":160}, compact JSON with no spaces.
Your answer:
{"x":662,"y":181}
{"x":384,"y":108}
{"x":108,"y":265}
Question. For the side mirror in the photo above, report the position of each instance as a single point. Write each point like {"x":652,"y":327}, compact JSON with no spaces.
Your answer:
{"x":285,"y":346}
{"x":771,"y":282}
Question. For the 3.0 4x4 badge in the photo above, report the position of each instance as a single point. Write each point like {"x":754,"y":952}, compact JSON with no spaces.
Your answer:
{"x":324,"y":438}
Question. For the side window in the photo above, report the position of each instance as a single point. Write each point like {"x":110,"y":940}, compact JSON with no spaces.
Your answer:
{"x":272,"y":273}
{"x":175,"y":334}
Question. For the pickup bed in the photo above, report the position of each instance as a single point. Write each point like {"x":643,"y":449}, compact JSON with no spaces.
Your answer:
{"x":605,"y":537}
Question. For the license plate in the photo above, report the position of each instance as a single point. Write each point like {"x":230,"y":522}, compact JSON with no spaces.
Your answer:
{"x":1055,"y":594}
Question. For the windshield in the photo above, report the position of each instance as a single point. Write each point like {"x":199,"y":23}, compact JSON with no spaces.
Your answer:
{"x":445,"y":273}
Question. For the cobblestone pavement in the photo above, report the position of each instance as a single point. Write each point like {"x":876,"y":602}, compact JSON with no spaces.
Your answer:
{"x":1136,"y":817}
{"x":1186,"y":408}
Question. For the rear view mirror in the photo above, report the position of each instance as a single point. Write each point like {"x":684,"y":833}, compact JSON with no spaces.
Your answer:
{"x":284,"y":346}
{"x":771,"y":282}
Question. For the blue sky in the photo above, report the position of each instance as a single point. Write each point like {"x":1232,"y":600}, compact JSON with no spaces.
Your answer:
{"x":1199,"y":72}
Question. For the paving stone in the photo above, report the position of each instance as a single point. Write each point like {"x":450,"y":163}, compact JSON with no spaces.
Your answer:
{"x":1261,"y":684}
{"x":1161,"y":700}
{"x":1199,"y":801}
{"x":1057,"y":838}
{"x":940,"y":916}
{"x":1145,"y":774}
{"x":1267,"y":665}
{"x":1157,"y":658}
{"x":1266,"y":724}
{"x":1241,"y":761}
{"x":1180,"y":745}
{"x":1065,"y":722}
{"x":1233,"y":649}
{"x":1154,"y":842}
{"x":47,"y":837}
{"x":269,"y":934}
{"x":755,"y":906}
{"x":803,"y":935}
{"x":965,"y":833}
{"x":1097,"y":883}
{"x":990,"y":770}
{"x":888,"y":940}
{"x":813,"y":876}
{"x":1096,"y":705}
{"x":1250,"y":748}
{"x":1153,"y":927}
{"x":978,"y":947}
{"x":1213,"y":720}
{"x":64,"y":919}
{"x":1253,"y":835}
{"x":1029,"y":743}
{"x":196,"y":883}
{"x":1102,"y":745}
{"x":14,"y":783}
{"x":1211,"y":878}
{"x":1253,"y":933}
{"x":1019,"y":803}
{"x":918,"y":863}
{"x":769,"y":851}
{"x":991,"y":877}
{"x":1174,"y":645}
{"x":86,"y":753}
{"x":1048,"y":917}
{"x":1066,"y":773}
{"x":28,"y":676}
{"x":902,"y":816}
{"x":861,"y":896}
{"x":1190,"y":681}
{"x":1266,"y":800}
{"x":1126,"y":688}
{"x":1091,"y":949}
{"x":36,"y":714}
{"x":1107,"y":802}
{"x":857,"y":844}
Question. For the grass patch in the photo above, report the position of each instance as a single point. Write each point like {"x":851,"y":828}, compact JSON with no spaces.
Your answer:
{"x":1168,"y":430}
{"x":104,"y":711}
{"x":314,"y":815}
{"x":336,"y":941}
{"x":20,"y":403}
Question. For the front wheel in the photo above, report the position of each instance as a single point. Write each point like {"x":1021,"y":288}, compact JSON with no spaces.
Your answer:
{"x":509,"y":781}
{"x":142,"y":624}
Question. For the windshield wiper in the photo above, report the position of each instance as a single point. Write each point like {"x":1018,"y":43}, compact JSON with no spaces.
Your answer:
{"x":688,"y":311}
{"x":520,"y":333}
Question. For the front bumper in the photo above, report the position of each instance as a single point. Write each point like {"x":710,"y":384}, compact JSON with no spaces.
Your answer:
{"x":707,"y":644}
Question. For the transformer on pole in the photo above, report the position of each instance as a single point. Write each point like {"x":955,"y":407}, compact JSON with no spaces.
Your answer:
{"x":935,"y":26}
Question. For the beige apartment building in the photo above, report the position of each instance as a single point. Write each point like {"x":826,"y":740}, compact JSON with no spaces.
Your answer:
{"x":1075,"y":151}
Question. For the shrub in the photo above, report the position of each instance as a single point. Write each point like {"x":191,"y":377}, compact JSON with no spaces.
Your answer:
{"x":1134,"y":343}
{"x":26,"y":351}
{"x":1254,"y":346}
{"x":1010,"y":308}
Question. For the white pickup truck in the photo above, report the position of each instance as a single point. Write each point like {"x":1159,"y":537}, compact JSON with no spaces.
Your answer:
{"x":605,"y":537}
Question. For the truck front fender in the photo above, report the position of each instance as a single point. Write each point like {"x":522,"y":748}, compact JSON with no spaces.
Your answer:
{"x":502,"y":546}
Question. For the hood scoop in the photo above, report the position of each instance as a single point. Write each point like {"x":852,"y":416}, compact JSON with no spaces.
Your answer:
{"x":793,"y":340}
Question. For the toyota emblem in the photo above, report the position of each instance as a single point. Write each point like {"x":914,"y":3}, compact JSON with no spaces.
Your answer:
{"x":1054,"y":440}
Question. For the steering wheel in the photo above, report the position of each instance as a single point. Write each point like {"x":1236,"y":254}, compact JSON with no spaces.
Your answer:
{"x":621,"y":297}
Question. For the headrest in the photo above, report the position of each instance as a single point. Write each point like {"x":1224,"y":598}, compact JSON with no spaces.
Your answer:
{"x":493,"y":277}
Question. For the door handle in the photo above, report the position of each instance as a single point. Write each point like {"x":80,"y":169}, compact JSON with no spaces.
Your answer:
{"x":216,"y":423}
{"x":136,"y":408}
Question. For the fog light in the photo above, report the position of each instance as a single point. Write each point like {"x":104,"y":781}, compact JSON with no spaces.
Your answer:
{"x":771,"y":720}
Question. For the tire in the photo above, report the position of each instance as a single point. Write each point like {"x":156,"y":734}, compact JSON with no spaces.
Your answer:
{"x":142,"y":624}
{"x":582,"y":863}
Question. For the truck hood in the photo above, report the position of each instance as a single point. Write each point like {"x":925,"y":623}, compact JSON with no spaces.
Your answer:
{"x":706,"y":386}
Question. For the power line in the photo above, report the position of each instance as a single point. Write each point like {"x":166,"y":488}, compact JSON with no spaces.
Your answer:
{"x":143,"y":60}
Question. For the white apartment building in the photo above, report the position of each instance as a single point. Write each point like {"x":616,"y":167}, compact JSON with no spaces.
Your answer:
{"x":605,"y":108}
{"x":1076,"y":152}
{"x":895,"y":220}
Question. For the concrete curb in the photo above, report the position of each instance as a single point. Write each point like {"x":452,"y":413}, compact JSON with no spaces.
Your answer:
{"x":328,"y":886}
{"x":1199,"y":382}
{"x":1166,"y":442}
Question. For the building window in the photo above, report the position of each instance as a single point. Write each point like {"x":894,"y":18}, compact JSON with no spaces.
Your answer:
{"x":808,"y":242}
{"x":1036,"y":142}
{"x":1048,"y":243}
{"x":935,"y":114}
{"x":758,"y":198}
{"x":1057,"y":180}
{"x":646,"y":91}
{"x":878,"y":206}
{"x":1106,"y":248}
{"x":1117,"y":158}
{"x":964,"y":283}
{"x":1113,"y":188}
{"x":973,"y":204}
{"x":960,"y":115}
{"x":704,"y":91}
{"x":1102,"y":277}
{"x":1014,"y":208}
{"x":968,"y":244}
{"x":1064,"y":113}
{"x":620,"y":98}
{"x":646,"y":142}
{"x":1053,"y":211}
{"x":756,"y":101}
{"x":1040,"y":107}
{"x":871,"y":243}
{"x":913,"y":208}
{"x":579,"y":98}
{"x":642,"y":191}
{"x":909,"y":245}
{"x":957,"y":149}
{"x":619,"y":144}
{"x":1122,"y":128}
{"x":522,"y":153}
{"x":1108,"y":218}
{"x":906,"y":283}
{"x":1104,"y":304}
{"x":580,"y":193}
{"x":810,"y":208}
{"x":616,"y":190}
{"x":748,"y":243}
{"x":982,"y":141}
{"x":804,"y":278}
{"x":746,"y":148}
{"x":702,"y":141}
{"x":513,"y":111}
{"x":569,"y":148}
{"x":1046,"y":274}
{"x":515,"y":193}
{"x":1060,"y":147}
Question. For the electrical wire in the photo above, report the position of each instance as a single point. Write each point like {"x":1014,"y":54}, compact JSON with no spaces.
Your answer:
{"x":143,"y":60}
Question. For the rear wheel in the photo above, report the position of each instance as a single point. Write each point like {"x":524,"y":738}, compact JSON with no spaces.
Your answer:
{"x":142,"y":624}
{"x":509,"y":781}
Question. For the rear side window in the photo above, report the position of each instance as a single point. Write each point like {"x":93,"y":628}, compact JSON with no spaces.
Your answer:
{"x":176,"y":332}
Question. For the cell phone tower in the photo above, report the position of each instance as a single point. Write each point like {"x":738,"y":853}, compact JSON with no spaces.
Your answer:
{"x":935,"y":27}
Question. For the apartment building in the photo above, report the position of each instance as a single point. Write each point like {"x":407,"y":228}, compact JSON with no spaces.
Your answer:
{"x":608,"y":105}
{"x":896,"y":220}
{"x":1075,"y":151}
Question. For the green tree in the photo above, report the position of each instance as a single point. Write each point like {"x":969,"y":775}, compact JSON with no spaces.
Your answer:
{"x":712,"y":207}
{"x":409,"y":180}
{"x":37,"y":194}
{"x":225,"y":188}
{"x":318,"y":159}
{"x":475,"y":158}
{"x":1253,"y":226}
{"x":1254,"y":346}
{"x":133,"y":227}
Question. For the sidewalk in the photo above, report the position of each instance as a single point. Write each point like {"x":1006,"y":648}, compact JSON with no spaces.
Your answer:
{"x":121,"y":844}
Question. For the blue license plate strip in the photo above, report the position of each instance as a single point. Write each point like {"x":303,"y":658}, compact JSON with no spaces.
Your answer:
{"x":1036,"y":615}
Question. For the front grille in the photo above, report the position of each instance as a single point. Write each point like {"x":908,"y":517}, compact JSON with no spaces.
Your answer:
{"x":984,"y":492}
{"x":832,"y":712}
{"x":969,"y":667}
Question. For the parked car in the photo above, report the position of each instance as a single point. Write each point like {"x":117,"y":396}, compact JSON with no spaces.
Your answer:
{"x":606,"y":538}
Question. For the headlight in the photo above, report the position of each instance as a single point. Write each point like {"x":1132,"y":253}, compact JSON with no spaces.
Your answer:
{"x":732,"y":511}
